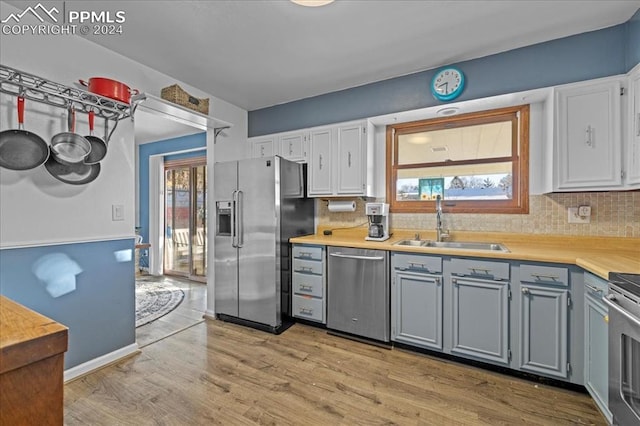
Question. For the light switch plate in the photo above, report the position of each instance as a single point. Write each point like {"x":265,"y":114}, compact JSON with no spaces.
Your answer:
{"x":117,"y":212}
{"x":574,"y":217}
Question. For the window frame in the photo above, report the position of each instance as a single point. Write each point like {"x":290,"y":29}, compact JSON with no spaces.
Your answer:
{"x":519,"y":204}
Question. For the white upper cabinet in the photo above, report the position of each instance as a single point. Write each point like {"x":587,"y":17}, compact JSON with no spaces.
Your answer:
{"x":293,"y":146}
{"x":263,"y":147}
{"x":338,"y":160}
{"x":588,"y":141}
{"x":319,"y":172}
{"x":351,"y":159}
{"x":632,"y":154}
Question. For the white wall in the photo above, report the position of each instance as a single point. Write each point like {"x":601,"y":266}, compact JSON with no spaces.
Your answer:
{"x":37,"y":209}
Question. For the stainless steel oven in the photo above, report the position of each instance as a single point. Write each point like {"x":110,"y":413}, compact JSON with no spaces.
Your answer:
{"x":624,"y":348}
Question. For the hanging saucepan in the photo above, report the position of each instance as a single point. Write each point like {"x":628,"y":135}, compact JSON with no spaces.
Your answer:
{"x":98,"y":146}
{"x":110,"y":89}
{"x":20,"y":149}
{"x":69,"y":147}
{"x":73,"y":174}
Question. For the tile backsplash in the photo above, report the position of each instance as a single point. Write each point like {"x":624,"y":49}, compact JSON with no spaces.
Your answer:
{"x":613,"y":214}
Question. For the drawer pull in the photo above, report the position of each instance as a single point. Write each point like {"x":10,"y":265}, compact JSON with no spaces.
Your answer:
{"x":595,"y":289}
{"x":305,"y":287}
{"x":306,"y":311}
{"x":418,"y":265}
{"x":483,"y":270}
{"x":304,"y":269}
{"x":305,"y":254}
{"x":541,"y":277}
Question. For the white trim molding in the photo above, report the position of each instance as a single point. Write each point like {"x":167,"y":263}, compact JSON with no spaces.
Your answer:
{"x":99,"y":362}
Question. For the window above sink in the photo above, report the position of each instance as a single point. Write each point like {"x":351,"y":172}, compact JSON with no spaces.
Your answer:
{"x":476,"y":162}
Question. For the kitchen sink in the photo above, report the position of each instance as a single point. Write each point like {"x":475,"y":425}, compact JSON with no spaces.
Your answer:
{"x":461,"y":245}
{"x":413,"y":243}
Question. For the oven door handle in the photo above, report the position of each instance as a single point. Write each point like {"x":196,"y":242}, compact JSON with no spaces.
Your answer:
{"x":609,"y":299}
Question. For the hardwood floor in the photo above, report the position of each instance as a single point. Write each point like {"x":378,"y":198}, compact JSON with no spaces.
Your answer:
{"x":189,"y":312}
{"x":221,"y":373}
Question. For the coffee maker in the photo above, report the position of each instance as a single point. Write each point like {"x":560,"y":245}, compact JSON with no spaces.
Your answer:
{"x":378,"y":216}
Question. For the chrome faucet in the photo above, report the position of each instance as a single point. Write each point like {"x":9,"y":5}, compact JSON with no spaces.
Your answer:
{"x":440,"y":234}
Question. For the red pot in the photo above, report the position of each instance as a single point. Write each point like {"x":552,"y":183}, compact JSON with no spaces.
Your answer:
{"x":110,"y":89}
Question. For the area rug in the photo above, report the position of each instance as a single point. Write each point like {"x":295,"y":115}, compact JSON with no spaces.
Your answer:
{"x":154,"y":300}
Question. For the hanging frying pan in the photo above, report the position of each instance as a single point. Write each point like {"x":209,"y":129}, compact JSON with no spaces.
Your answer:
{"x":20,"y":149}
{"x":69,"y":147}
{"x":73,"y":174}
{"x":98,"y":146}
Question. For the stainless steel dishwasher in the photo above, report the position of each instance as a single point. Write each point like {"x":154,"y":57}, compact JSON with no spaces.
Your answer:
{"x":358,"y":292}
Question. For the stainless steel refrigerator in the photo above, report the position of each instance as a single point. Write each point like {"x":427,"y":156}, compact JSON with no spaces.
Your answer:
{"x":259,"y":204}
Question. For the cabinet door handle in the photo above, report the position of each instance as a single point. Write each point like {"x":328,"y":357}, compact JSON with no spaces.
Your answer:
{"x":589,"y":136}
{"x":638,"y":124}
{"x":592,"y":288}
{"x":261,"y":150}
{"x":290,"y":148}
{"x":548,"y":277}
{"x":525,"y":290}
{"x":320,"y":162}
{"x":349,"y":159}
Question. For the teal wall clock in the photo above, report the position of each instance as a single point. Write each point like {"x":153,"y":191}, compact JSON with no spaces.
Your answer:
{"x":447,"y":84}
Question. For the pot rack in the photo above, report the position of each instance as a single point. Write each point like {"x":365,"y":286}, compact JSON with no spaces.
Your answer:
{"x":38,"y":89}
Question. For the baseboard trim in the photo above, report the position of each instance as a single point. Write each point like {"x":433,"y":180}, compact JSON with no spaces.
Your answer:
{"x":209,"y":314}
{"x":100,"y":362}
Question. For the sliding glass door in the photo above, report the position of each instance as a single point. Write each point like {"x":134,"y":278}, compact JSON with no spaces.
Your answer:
{"x":186,"y":218}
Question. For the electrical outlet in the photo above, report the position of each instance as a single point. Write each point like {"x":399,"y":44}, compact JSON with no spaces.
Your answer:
{"x":584,"y":211}
{"x":117,"y":212}
{"x":574,"y":217}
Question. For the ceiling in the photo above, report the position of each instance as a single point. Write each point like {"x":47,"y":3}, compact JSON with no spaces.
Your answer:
{"x":256,"y":54}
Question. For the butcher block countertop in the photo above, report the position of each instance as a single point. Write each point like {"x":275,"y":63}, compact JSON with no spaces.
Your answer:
{"x":32,"y":349}
{"x":26,"y":336}
{"x":599,"y":255}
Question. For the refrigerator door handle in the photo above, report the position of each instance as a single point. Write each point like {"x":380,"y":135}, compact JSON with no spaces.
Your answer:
{"x":240,"y":238}
{"x":234,"y":231}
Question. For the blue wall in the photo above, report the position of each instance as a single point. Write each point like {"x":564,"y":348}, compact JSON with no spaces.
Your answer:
{"x":83,"y":286}
{"x":167,"y":146}
{"x":633,"y":41}
{"x":581,"y":57}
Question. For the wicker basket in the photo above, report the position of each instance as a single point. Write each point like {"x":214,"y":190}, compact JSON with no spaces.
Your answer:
{"x":177,"y":95}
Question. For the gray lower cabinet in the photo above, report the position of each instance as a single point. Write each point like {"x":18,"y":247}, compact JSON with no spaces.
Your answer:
{"x":543,"y":320}
{"x":480,"y":319}
{"x":309,"y":283}
{"x":596,"y":335}
{"x":416,"y":300}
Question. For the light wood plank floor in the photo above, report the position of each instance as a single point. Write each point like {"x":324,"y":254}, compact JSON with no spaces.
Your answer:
{"x":221,"y":373}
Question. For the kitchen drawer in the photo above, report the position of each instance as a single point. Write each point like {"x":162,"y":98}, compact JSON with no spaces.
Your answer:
{"x":480,"y":268}
{"x":308,"y":284}
{"x":307,"y":252}
{"x":308,"y":266}
{"x":308,"y":307}
{"x":417,"y":263}
{"x":550,"y":275}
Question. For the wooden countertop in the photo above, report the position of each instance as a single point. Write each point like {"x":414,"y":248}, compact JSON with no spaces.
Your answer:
{"x":26,"y":336}
{"x":599,"y":255}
